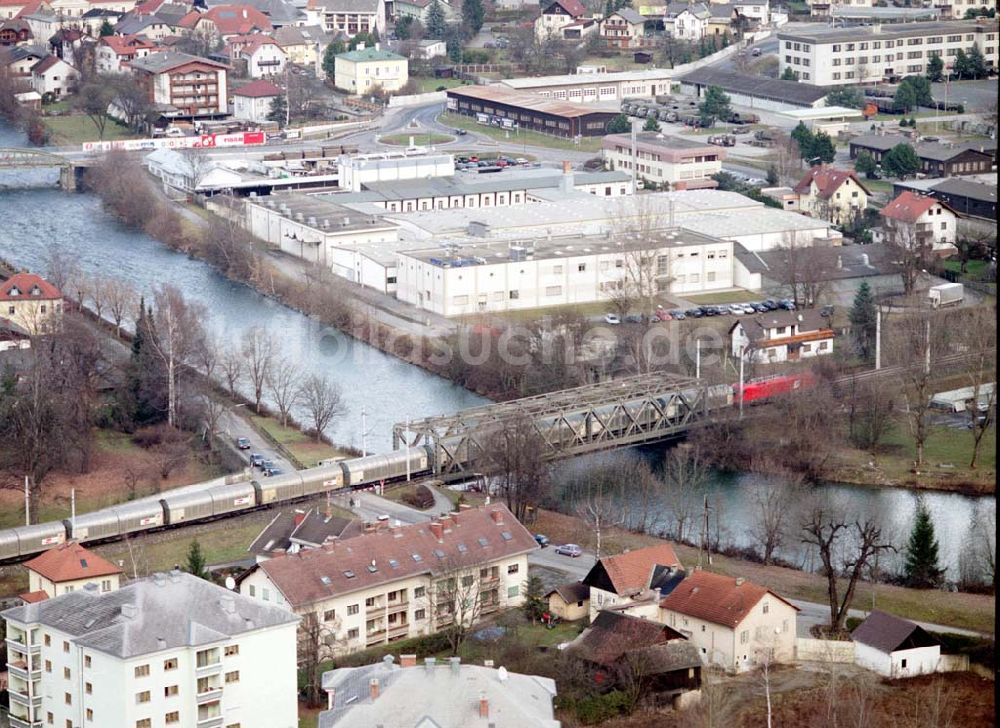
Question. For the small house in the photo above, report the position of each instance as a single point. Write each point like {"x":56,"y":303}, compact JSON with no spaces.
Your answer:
{"x":895,"y":647}
{"x":616,"y":580}
{"x":916,"y":221}
{"x":69,"y":567}
{"x":832,"y":194}
{"x":569,"y":602}
{"x":779,"y":336}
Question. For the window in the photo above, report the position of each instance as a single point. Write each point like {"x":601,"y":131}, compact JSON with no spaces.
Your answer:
{"x":557,"y":269}
{"x":744,"y":636}
{"x":581,"y":267}
{"x":67,"y":698}
{"x":418,"y":592}
{"x":232,"y":650}
{"x":49,"y":718}
{"x":232,"y":677}
{"x":88,"y":688}
{"x":142,"y":697}
{"x":253,"y":590}
{"x":765,"y":608}
{"x":48,"y":666}
{"x":142,"y":671}
{"x":47,"y":638}
{"x":467,"y":580}
{"x":944,"y":225}
{"x":902,"y":663}
{"x":66,"y":673}
{"x":329,"y":615}
{"x":352,"y":609}
{"x":352,"y":634}
{"x":65,"y":646}
{"x":513,"y":295}
{"x":172,"y":717}
{"x":144,"y":723}
{"x":170,"y":691}
{"x":86,"y":660}
{"x":513,"y":591}
{"x":512,"y":568}
{"x":553,"y":290}
{"x":90,"y":713}
{"x":171,"y":663}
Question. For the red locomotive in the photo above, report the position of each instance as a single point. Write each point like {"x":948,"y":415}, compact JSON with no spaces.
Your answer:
{"x":759,"y":390}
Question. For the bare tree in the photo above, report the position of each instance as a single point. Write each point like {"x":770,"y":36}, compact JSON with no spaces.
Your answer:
{"x":178,"y":325}
{"x":206,"y":356}
{"x":601,"y":505}
{"x":870,"y":412}
{"x":213,"y":411}
{"x":318,"y":644}
{"x":518,"y":459}
{"x":231,"y":366}
{"x":685,"y":475}
{"x":835,"y":533}
{"x":322,"y":401}
{"x":457,"y":596}
{"x":804,"y":270}
{"x":771,"y":501}
{"x":121,"y":298}
{"x":259,"y":354}
{"x":913,"y":346}
{"x":911,"y":250}
{"x":283,"y":381}
{"x":980,"y":334}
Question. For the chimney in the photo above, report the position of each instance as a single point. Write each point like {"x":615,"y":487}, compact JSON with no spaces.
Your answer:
{"x":407,"y":660}
{"x":437,"y":529}
{"x":244,"y":12}
{"x":484,"y":707}
{"x":161,"y":644}
{"x":369,"y":527}
{"x":331,"y":699}
{"x":566,"y":182}
{"x":497,"y":517}
{"x":129,"y":611}
{"x":373,"y":688}
{"x":456,"y":665}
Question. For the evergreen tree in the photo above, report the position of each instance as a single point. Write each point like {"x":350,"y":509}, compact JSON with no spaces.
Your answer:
{"x":905,"y":98}
{"x":437,"y":26}
{"x":534,"y":598}
{"x":865,"y":163}
{"x":651,"y":125}
{"x":921,"y":569}
{"x":196,"y":561}
{"x":901,"y":161}
{"x":935,"y":69}
{"x":330,"y":57}
{"x":805,"y":139}
{"x":279,"y":110}
{"x":609,"y":8}
{"x":863,"y":322}
{"x":788,"y":74}
{"x":453,"y":43}
{"x":473,"y":15}
{"x":977,"y":64}
{"x":106,"y":29}
{"x":406,"y":27}
{"x":715,"y":105}
{"x":823,"y":149}
{"x":772,"y":175}
{"x":619,"y":125}
{"x":144,"y":399}
{"x":961,"y":67}
{"x":850,"y":97}
{"x":369,"y":39}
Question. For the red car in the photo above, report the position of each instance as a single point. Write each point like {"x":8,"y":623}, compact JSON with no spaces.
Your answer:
{"x":758,"y":390}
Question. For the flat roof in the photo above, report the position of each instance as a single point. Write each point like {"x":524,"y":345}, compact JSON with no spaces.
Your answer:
{"x":321,"y":207}
{"x":573,"y":79}
{"x":901,"y":30}
{"x":847,"y":11}
{"x":823,"y":112}
{"x":487,"y":252}
{"x":657,"y":139}
{"x":532,"y":102}
{"x":789,"y":92}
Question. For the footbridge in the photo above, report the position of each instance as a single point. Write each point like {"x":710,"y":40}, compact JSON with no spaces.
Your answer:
{"x":631,"y":411}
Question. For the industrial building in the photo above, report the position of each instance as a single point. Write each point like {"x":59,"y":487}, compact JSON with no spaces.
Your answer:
{"x":587,"y":88}
{"x":503,"y":107}
{"x":358,"y":170}
{"x":755,"y":92}
{"x":937,"y":159}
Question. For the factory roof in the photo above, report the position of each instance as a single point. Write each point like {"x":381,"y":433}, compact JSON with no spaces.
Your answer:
{"x":500,"y":95}
{"x":864,"y":32}
{"x":163,"y":612}
{"x":789,"y":92}
{"x":323,"y":209}
{"x":650,"y":74}
{"x":658,"y":139}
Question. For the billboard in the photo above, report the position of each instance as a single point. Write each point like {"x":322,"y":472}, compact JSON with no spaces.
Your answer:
{"x":200,"y":141}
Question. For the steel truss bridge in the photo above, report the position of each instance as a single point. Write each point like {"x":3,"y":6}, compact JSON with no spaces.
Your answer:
{"x":31,"y":158}
{"x":631,"y":411}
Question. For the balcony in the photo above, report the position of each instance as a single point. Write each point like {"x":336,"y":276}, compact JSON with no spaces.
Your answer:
{"x":374,"y":638}
{"x":214,"y":722}
{"x":18,"y":645}
{"x":443,"y":619}
{"x":375,"y":609}
{"x":213,"y":693}
{"x":398,"y":606}
{"x":20,"y":669}
{"x":489,"y":582}
{"x":16,"y":722}
{"x":399,"y":630}
{"x":489,"y":607}
{"x":209,"y":669}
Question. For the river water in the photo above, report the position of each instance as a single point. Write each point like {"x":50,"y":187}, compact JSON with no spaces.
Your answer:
{"x":36,"y":215}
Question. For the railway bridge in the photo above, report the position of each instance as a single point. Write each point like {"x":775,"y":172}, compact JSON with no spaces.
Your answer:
{"x":631,"y":411}
{"x":20,"y":158}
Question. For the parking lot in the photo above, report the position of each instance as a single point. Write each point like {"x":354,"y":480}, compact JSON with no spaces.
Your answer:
{"x":749,"y":308}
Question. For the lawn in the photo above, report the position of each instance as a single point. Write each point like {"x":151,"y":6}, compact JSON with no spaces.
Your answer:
{"x":77,"y":128}
{"x":738,"y":296}
{"x":295,"y":444}
{"x":429,"y":85}
{"x":520,"y":137}
{"x":974,"y":268}
{"x":403,"y":140}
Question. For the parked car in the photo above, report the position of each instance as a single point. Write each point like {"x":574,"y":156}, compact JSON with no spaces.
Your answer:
{"x":521,"y":160}
{"x":678,"y":315}
{"x":662,"y":315}
{"x":634,"y":318}
{"x":243,"y":443}
{"x":786,"y":304}
{"x":748,"y":308}
{"x":826,"y":311}
{"x":612,"y":318}
{"x":759,"y":307}
{"x":693,"y":313}
{"x":269,"y":472}
{"x":541,"y":539}
{"x":256,"y":459}
{"x":771,"y":304}
{"x":569,"y":549}
{"x":266,"y":465}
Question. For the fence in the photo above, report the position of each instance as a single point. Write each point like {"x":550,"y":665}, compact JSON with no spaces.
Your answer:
{"x":953,"y":663}
{"x":810,"y":650}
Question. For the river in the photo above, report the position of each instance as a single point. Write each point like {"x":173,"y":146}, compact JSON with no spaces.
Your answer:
{"x":36,"y":217}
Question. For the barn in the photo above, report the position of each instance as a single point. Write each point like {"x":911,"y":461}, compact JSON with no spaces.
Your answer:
{"x":895,"y":647}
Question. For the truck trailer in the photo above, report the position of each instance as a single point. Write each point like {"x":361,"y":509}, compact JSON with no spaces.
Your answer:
{"x":947,"y":294}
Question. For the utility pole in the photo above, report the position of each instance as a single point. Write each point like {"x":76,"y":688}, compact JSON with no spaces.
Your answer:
{"x":364,"y":432}
{"x":878,"y":338}
{"x":72,"y":510}
{"x":742,"y":357}
{"x":27,"y":502}
{"x":697,"y":359}
{"x":927,"y":350}
{"x":407,"y":450}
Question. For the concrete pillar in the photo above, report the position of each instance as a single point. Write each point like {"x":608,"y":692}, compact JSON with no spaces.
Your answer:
{"x":67,"y":178}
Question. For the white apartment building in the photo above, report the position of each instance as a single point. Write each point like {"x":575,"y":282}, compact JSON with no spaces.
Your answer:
{"x":397,"y":582}
{"x":68,"y":567}
{"x":847,"y":56}
{"x":479,"y":276}
{"x":664,"y":160}
{"x":171,"y":651}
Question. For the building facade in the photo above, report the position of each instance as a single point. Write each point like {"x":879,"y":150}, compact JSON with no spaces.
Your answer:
{"x":364,"y":70}
{"x":664,"y":160}
{"x":31,"y":302}
{"x":254,"y":101}
{"x":556,"y":15}
{"x":782,"y":336}
{"x":831,"y":194}
{"x":195,"y":86}
{"x":894,"y":647}
{"x":920,"y":222}
{"x":839,"y":56}
{"x":171,"y":650}
{"x":69,"y":567}
{"x":349,"y":17}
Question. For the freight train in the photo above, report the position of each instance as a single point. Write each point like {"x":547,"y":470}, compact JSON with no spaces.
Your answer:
{"x":218,"y":500}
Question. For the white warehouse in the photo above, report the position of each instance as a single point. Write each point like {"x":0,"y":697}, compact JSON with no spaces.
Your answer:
{"x":361,"y":169}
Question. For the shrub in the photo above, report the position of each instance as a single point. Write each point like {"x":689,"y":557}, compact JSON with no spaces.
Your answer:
{"x":600,"y":708}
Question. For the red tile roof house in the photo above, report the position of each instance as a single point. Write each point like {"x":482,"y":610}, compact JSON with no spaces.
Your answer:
{"x":403,"y":581}
{"x":556,"y":15}
{"x":634,"y":576}
{"x":917,"y":221}
{"x":259,"y":54}
{"x":735,"y":623}
{"x":31,"y":302}
{"x":832,"y":194}
{"x":69,"y":567}
{"x":115,"y":50}
{"x":253,"y":101}
{"x":226,"y":21}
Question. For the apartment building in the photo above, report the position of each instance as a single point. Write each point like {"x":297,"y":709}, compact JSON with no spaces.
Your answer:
{"x":364,"y":70}
{"x":68,"y":567}
{"x":845,"y":56}
{"x":397,"y":582}
{"x":170,"y":651}
{"x":664,"y":160}
{"x":195,"y":86}
{"x":349,"y":17}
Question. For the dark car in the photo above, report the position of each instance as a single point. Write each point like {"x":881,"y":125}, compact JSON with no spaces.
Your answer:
{"x":759,"y":307}
{"x":694,"y":313}
{"x":269,"y":472}
{"x":634,"y":318}
{"x":708,"y":311}
{"x":678,"y":315}
{"x":542,"y":540}
{"x":826,"y":311}
{"x":256,"y":459}
{"x":243,"y":443}
{"x":462,"y":160}
{"x":771,"y":304}
{"x":786,"y":304}
{"x":266,"y":465}
{"x":461,"y":132}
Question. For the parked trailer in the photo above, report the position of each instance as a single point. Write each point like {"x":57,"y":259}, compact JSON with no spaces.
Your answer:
{"x":947,"y":294}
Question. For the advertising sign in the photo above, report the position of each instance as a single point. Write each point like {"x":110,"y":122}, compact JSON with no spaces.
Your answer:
{"x":202,"y":141}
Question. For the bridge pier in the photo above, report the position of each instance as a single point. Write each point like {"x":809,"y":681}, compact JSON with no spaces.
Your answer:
{"x":67,"y":178}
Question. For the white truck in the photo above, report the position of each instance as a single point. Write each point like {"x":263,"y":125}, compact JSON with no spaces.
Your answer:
{"x":945,"y":295}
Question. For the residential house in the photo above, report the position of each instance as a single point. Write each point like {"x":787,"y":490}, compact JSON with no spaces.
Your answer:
{"x":65,"y":43}
{"x":225,"y":21}
{"x":254,"y":101}
{"x":115,"y":52}
{"x":619,"y":647}
{"x":420,"y":50}
{"x":436,"y":695}
{"x":556,"y":15}
{"x":969,"y":198}
{"x":94,"y":19}
{"x":734,"y":623}
{"x":152,"y":27}
{"x":173,"y":649}
{"x":69,"y":567}
{"x":12,"y":8}
{"x":19,"y":60}
{"x":620,"y":579}
{"x":723,"y":19}
{"x":53,"y":77}
{"x":402,"y":581}
{"x":364,"y":70}
{"x":260,"y":54}
{"x":295,"y":530}
{"x":920,"y":222}
{"x":895,"y":647}
{"x":668,"y":161}
{"x":624,"y":28}
{"x":756,"y":11}
{"x":691,"y":22}
{"x":13,"y":337}
{"x":569,"y":602}
{"x":31,"y":302}
{"x":304,"y":45}
{"x":349,"y":17}
{"x":281,"y":13}
{"x":195,"y":86}
{"x":832,"y":194}
{"x":936,"y":158}
{"x":15,"y":32}
{"x":779,"y":336}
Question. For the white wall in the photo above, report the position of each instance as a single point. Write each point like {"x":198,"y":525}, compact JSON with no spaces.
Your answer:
{"x":918,"y":661}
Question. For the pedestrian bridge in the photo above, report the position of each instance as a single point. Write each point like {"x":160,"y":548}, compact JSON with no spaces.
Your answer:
{"x":631,"y":411}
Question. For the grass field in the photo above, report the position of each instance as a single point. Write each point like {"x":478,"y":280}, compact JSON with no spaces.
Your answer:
{"x":403,"y":140}
{"x":76,"y":129}
{"x":429,"y":85}
{"x":974,"y":268}
{"x":520,"y":137}
{"x":303,"y":448}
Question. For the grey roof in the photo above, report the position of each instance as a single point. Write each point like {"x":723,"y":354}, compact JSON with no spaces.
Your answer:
{"x":171,"y":13}
{"x":935,"y":151}
{"x":749,"y":259}
{"x":789,"y":92}
{"x":440,"y":696}
{"x":311,"y":528}
{"x":102,"y":13}
{"x":348,"y":6}
{"x":755,"y":326}
{"x":888,"y":633}
{"x":279,"y":10}
{"x":134,"y":24}
{"x":719,"y":10}
{"x":295,"y":34}
{"x":674,"y":655}
{"x":160,"y":62}
{"x":840,"y":34}
{"x":630,"y":15}
{"x":966,"y":188}
{"x":19,"y":53}
{"x":575,"y":591}
{"x":837,"y":262}
{"x":167,"y":611}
